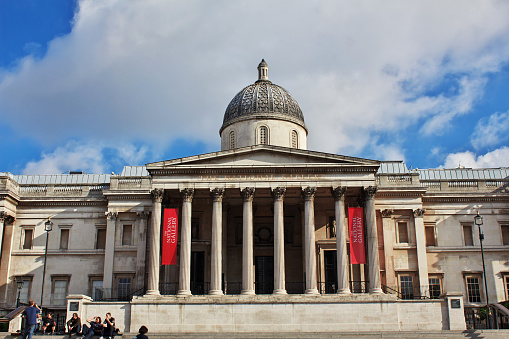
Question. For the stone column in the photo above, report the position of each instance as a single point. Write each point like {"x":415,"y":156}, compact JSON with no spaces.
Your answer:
{"x":278,"y":194}
{"x":109,"y":253}
{"x":3,"y":217}
{"x":216,"y":250}
{"x":341,"y":233}
{"x":375,"y":286}
{"x":185,"y":242}
{"x":154,"y":260}
{"x":309,"y":239}
{"x":247,"y":241}
{"x":142,"y":249}
{"x":422,"y":261}
{"x":388,"y":229}
{"x":7,"y":223}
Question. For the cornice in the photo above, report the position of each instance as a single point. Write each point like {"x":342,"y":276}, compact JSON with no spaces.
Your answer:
{"x":12,"y":198}
{"x":63,"y":203}
{"x":467,"y":199}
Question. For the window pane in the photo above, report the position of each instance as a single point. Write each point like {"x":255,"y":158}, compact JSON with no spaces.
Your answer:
{"x":97,"y":290}
{"x":473,"y":290}
{"x":295,"y":142}
{"x":101,"y":238}
{"x":64,"y":239}
{"x":434,"y":288}
{"x":263,"y":135}
{"x":124,"y":288}
{"x":27,"y":244}
{"x":60,"y":292}
{"x":430,"y":235}
{"x":407,"y":287}
{"x":403,"y":232}
{"x":467,"y":235}
{"x":127,"y":235}
{"x":23,"y":295}
{"x":232,"y":140}
{"x":505,"y":235}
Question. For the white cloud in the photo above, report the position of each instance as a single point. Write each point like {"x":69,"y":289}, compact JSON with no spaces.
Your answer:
{"x":491,"y":130}
{"x":494,"y":159}
{"x":163,"y":70}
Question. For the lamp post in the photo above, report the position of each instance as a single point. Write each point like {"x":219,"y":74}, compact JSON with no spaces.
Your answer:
{"x":478,"y":222}
{"x":19,"y":282}
{"x":48,"y":226}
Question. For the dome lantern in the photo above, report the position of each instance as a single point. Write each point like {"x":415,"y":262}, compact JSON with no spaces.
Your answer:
{"x":263,"y":71}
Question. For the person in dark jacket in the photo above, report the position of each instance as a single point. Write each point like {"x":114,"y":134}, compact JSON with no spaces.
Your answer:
{"x":74,"y":324}
{"x":142,"y":331}
{"x":31,"y":313}
{"x":96,"y":328}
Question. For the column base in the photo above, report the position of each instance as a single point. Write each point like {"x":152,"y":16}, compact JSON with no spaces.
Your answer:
{"x":152,"y":292}
{"x":216,"y":292}
{"x":248,"y":292}
{"x":279,"y":292}
{"x":344,"y":291}
{"x":312,"y":291}
{"x":376,"y":291}
{"x":184,"y":292}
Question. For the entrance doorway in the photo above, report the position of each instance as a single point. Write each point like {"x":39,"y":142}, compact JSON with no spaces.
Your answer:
{"x":331,"y":271}
{"x":264,"y":274}
{"x":197,"y":272}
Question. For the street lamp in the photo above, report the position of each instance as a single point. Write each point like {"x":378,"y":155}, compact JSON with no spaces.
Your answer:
{"x":19,"y":282}
{"x":48,"y":226}
{"x":478,"y":222}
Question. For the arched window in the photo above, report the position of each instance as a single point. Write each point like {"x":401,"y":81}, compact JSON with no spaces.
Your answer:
{"x":264,"y":137}
{"x":295,"y":139}
{"x":232,"y":140}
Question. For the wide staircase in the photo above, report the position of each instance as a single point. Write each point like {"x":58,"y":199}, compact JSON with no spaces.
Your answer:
{"x":488,"y":334}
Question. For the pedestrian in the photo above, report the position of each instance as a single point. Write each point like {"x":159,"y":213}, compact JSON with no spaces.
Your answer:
{"x":74,"y":324}
{"x":48,"y":324}
{"x":109,"y":323}
{"x":31,"y":313}
{"x":96,"y":328}
{"x":141,"y":333}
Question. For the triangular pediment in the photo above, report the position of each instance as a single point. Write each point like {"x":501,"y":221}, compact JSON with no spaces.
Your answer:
{"x":263,"y":156}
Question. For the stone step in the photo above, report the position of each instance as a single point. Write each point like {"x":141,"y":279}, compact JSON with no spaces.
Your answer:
{"x":485,"y":334}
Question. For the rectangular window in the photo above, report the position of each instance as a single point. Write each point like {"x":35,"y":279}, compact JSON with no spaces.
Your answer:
{"x":403,"y":232}
{"x":406,"y":286}
{"x":97,"y":290}
{"x":59,"y":292}
{"x":506,"y":285}
{"x":101,"y":238}
{"x":435,"y":287}
{"x":505,"y":234}
{"x":430,"y":234}
{"x":127,"y":234}
{"x":124,"y":288}
{"x":467,"y":235}
{"x":64,"y":238}
{"x":28,"y":236}
{"x":473,"y":283}
{"x":24,"y":293}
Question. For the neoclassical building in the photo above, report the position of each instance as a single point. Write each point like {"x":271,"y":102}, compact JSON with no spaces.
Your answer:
{"x":263,"y":234}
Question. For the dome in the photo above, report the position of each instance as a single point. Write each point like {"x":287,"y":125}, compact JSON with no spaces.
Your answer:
{"x":263,"y":100}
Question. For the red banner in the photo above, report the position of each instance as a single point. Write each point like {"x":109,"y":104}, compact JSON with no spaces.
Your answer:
{"x":356,"y":227}
{"x":170,"y":231}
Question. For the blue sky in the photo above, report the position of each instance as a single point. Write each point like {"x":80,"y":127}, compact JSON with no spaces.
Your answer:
{"x":95,"y":85}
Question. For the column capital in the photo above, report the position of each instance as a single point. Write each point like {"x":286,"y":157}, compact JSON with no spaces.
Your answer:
{"x":157,"y":194}
{"x":419,"y":212}
{"x":187,"y":194}
{"x":338,"y":192}
{"x":143,"y":215}
{"x":370,"y":191}
{"x":217,"y":194}
{"x":111,"y":215}
{"x":6,"y":218}
{"x":386,"y":213}
{"x":278,"y":193}
{"x":308,"y":193}
{"x":247,"y":193}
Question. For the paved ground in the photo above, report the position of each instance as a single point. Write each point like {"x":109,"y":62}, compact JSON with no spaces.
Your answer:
{"x":488,"y":334}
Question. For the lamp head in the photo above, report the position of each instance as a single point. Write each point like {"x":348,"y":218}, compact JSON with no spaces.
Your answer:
{"x":48,"y":225}
{"x":478,"y":219}
{"x":19,"y":282}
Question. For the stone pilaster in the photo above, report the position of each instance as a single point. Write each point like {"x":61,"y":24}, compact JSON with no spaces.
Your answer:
{"x":388,"y":229}
{"x":216,"y":250}
{"x":341,"y":234}
{"x":7,"y":225}
{"x":185,"y":242}
{"x":375,"y":286}
{"x":422,"y":261}
{"x":309,"y":240}
{"x":247,"y":241}
{"x":109,"y":253}
{"x":278,"y":194}
{"x":154,"y":260}
{"x":142,"y":248}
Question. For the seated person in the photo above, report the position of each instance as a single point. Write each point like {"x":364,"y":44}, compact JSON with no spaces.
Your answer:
{"x":109,"y":324}
{"x":48,"y":324}
{"x":96,"y":328}
{"x":74,"y":324}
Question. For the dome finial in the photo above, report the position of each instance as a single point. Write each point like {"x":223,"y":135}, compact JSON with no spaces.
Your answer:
{"x":263,"y":70}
